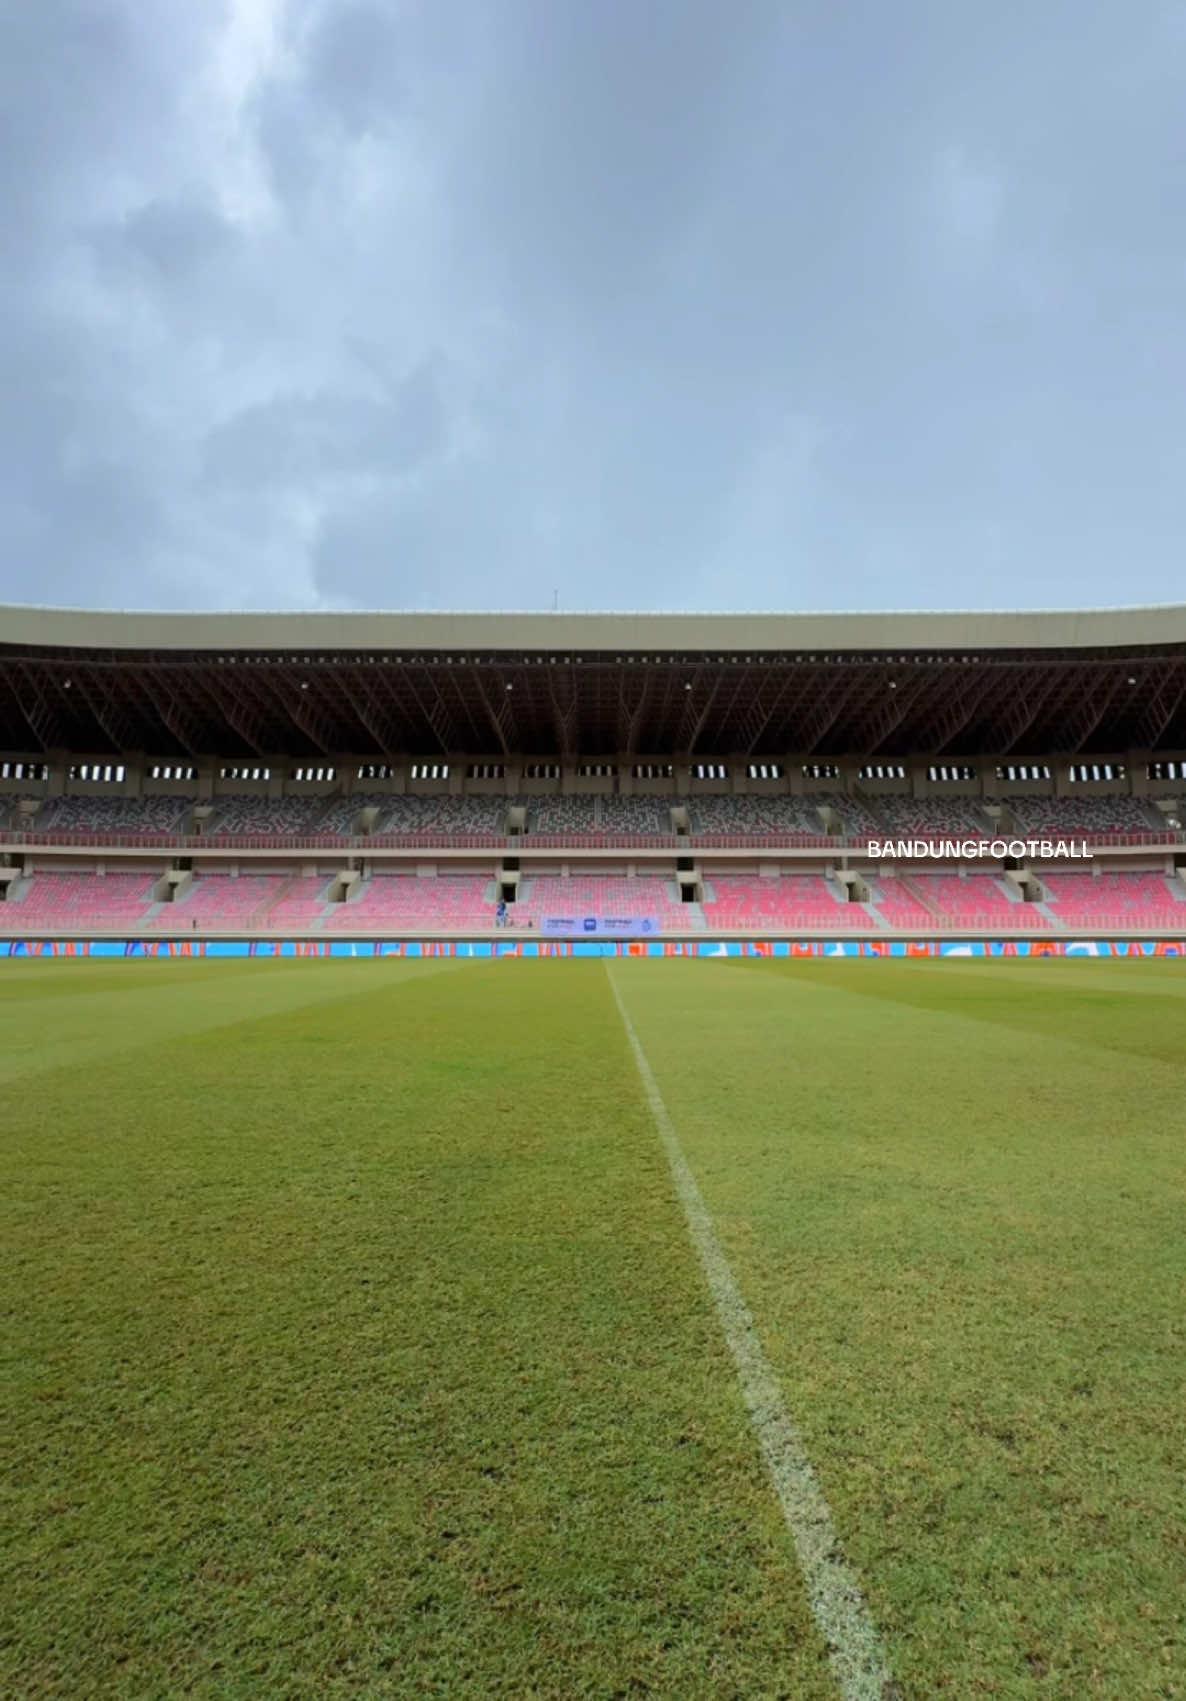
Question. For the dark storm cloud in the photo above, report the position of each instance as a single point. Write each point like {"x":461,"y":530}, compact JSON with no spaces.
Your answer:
{"x":311,"y":301}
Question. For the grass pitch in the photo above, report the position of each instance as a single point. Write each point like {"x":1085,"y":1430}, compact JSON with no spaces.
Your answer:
{"x":353,"y":1343}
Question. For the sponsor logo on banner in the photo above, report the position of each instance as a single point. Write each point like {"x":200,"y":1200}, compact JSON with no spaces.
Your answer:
{"x":600,"y":926}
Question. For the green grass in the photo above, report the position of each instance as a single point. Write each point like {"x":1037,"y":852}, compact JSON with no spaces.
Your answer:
{"x":353,"y":1344}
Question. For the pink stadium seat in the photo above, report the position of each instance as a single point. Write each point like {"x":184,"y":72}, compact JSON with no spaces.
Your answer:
{"x":898,"y":905}
{"x":87,"y":901}
{"x":1108,"y":900}
{"x":594,"y":895}
{"x":390,"y":902}
{"x":975,"y":900}
{"x":301,"y":906}
{"x":794,"y":900}
{"x":219,"y":902}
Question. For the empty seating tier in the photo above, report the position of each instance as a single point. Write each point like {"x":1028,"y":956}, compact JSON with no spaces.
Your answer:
{"x":930,"y":817}
{"x":85,"y":901}
{"x":394,"y":902}
{"x":443,"y":815}
{"x":301,"y":905}
{"x":599,"y":895}
{"x":1046,"y":816}
{"x":112,"y":814}
{"x":974,"y":900}
{"x":795,"y":900}
{"x":220,"y":903}
{"x":244,"y":816}
{"x":649,"y":817}
{"x":341,"y":819}
{"x":576,"y":814}
{"x":1113,"y":900}
{"x":758,"y":817}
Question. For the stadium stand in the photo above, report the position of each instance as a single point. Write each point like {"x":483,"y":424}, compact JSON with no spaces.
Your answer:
{"x":856,"y":817}
{"x":930,"y":817}
{"x":443,"y":815}
{"x":1088,"y":900}
{"x":774,"y":817}
{"x":1042,"y":816}
{"x":898,"y":904}
{"x":244,"y":816}
{"x":340,"y":819}
{"x":90,"y":901}
{"x":404,"y":701}
{"x":401,"y":901}
{"x":299,"y":905}
{"x":974,"y":899}
{"x":113,"y":814}
{"x":794,"y":900}
{"x":576,"y":814}
{"x":649,"y":817}
{"x":219,"y":902}
{"x":599,"y":895}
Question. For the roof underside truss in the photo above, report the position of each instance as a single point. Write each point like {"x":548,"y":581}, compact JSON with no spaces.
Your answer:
{"x":593,"y":705}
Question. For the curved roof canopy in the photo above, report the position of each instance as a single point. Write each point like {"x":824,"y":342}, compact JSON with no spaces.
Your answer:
{"x":563,"y":685}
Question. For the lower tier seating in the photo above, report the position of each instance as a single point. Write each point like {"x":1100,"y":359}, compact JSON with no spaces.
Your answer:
{"x":794,"y":900}
{"x":219,"y":902}
{"x":975,"y":899}
{"x":392,"y":901}
{"x":1093,"y":900}
{"x":301,"y":906}
{"x":100,"y":901}
{"x":608,"y":895}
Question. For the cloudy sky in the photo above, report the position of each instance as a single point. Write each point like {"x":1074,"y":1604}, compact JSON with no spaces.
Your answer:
{"x":641,"y":303}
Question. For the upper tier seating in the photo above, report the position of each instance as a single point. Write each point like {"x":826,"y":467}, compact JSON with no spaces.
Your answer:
{"x":649,"y":817}
{"x":930,"y":817}
{"x":12,"y":817}
{"x":1043,"y":817}
{"x":562,"y":815}
{"x":757,"y":817}
{"x":246,"y":816}
{"x":857,"y":818}
{"x":782,"y":816}
{"x":340,"y":820}
{"x":447,"y":815}
{"x":85,"y":901}
{"x":394,"y":902}
{"x":608,"y":894}
{"x":112,"y":814}
{"x":794,"y":900}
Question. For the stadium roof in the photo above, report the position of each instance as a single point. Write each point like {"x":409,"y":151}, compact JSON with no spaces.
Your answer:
{"x":823,"y":685}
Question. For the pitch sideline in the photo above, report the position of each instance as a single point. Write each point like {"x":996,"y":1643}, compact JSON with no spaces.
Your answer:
{"x":854,"y":1646}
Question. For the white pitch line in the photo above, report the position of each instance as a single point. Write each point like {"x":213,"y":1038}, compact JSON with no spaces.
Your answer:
{"x":854,"y":1647}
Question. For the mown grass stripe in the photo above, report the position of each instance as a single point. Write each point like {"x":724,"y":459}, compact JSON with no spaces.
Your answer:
{"x":837,"y":1603}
